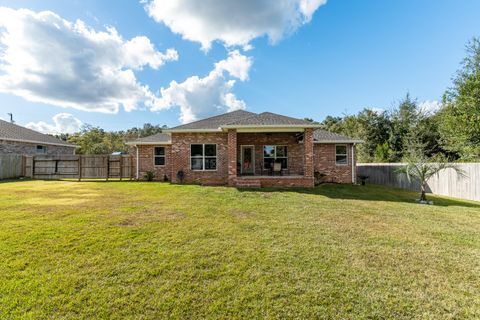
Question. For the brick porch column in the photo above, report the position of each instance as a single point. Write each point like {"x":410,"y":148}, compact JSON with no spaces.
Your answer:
{"x":232,"y":157}
{"x":308,"y":153}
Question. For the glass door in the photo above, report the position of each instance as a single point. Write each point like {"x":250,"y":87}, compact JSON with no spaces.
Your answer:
{"x":248,"y":159}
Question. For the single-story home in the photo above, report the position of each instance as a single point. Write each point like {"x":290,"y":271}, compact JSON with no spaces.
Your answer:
{"x":246,"y":149}
{"x":15,"y":139}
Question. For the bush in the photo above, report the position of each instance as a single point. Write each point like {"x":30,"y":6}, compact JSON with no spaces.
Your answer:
{"x":149,"y":175}
{"x":319,"y":177}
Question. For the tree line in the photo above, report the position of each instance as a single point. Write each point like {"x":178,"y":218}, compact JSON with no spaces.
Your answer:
{"x":452,"y":132}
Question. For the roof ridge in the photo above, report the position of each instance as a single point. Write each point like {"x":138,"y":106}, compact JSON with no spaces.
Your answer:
{"x":246,"y":118}
{"x":213,"y":117}
{"x":14,"y":126}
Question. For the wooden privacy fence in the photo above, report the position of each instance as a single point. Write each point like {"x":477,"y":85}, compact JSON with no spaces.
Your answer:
{"x":79,"y":167}
{"x":11,"y":166}
{"x":447,"y":182}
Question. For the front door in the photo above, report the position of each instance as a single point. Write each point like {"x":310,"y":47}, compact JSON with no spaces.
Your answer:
{"x":248,"y":159}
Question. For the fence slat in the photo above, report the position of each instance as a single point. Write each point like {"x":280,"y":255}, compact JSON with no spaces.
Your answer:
{"x":447,"y":182}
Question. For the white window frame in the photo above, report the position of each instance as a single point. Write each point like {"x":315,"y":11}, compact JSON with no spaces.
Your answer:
{"x":275,"y":157}
{"x":341,"y":154}
{"x":43,"y":148}
{"x":203,"y":157}
{"x":157,"y":156}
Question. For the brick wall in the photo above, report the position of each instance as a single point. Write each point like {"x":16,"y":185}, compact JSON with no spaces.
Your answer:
{"x":324,"y":159}
{"x":181,"y":158}
{"x":146,"y":162}
{"x":295,"y":150}
{"x":25,"y":148}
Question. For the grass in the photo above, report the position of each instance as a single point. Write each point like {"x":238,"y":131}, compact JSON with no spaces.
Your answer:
{"x":154,"y":250}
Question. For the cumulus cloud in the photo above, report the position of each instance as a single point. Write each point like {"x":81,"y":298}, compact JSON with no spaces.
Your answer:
{"x":202,"y":97}
{"x":62,"y":123}
{"x":233,"y":22}
{"x":430,"y":107}
{"x":44,"y":58}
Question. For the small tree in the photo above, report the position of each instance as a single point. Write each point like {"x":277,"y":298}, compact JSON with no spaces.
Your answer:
{"x":421,"y":168}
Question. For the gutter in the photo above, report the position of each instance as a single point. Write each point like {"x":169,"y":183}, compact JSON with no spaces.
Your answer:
{"x":136,"y":167}
{"x":68,"y":145}
{"x":354,"y":180}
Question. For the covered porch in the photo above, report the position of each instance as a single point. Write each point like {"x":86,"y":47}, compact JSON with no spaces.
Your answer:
{"x":271,"y":158}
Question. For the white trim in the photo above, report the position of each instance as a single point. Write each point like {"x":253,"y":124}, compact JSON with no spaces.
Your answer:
{"x":354,"y":178}
{"x":41,"y":142}
{"x":241,"y":156}
{"x":190,"y":130}
{"x":160,"y":143}
{"x":138,"y":169}
{"x":303,"y":126}
{"x":203,"y":157}
{"x":164,"y":157}
{"x":339,"y":141}
{"x":341,"y":154}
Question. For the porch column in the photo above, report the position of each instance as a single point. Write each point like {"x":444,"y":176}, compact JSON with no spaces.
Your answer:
{"x":308,"y":153}
{"x":232,"y":157}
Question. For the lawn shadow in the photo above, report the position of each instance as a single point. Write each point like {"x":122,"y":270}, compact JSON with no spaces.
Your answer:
{"x":370,"y":193}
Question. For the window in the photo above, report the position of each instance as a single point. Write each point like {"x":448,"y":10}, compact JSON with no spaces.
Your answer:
{"x":341,"y":157}
{"x":203,"y":157}
{"x":272,"y":154}
{"x":159,"y":156}
{"x":41,"y":149}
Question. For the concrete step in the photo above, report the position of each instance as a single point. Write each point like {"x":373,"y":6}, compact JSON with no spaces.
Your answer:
{"x":249,"y":184}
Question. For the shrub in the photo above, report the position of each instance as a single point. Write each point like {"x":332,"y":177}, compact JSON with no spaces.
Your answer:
{"x":149,"y":175}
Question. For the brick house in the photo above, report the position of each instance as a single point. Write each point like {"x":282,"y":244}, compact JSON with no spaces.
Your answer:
{"x":15,"y":139}
{"x":246,"y":149}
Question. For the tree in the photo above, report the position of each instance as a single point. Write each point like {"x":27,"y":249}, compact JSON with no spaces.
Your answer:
{"x":460,"y":115}
{"x":421,"y":168}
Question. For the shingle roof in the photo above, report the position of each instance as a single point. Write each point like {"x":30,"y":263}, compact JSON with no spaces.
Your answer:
{"x":320,"y":135}
{"x":13,"y":132}
{"x":268,"y":119}
{"x":158,"y":138}
{"x":242,"y":118}
{"x":216,"y":121}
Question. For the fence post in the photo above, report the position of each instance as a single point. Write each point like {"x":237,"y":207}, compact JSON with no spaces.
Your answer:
{"x":108,"y":167}
{"x":79,"y":167}
{"x":121,"y":167}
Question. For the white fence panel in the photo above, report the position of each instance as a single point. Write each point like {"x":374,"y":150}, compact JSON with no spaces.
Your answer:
{"x":447,"y":182}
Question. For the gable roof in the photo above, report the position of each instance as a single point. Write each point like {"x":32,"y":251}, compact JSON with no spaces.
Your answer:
{"x":159,"y":138}
{"x":242,"y":119}
{"x":214,"y":123}
{"x":12,"y":132}
{"x":268,"y":119}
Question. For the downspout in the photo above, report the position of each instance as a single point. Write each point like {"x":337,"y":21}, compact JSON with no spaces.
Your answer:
{"x":137,"y":173}
{"x":353,"y":164}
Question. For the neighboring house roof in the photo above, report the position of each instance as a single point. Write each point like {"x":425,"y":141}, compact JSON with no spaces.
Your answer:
{"x":12,"y":132}
{"x":159,"y":138}
{"x":246,"y":120}
{"x":322,"y":136}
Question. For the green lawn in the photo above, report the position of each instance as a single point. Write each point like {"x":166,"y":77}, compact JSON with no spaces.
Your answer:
{"x":153,"y":250}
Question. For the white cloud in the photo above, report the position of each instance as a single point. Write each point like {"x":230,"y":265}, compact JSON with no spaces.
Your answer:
{"x":378,"y":111}
{"x":233,"y":22}
{"x":202,"y":97}
{"x":44,"y":58}
{"x":430,"y":106}
{"x":62,"y":123}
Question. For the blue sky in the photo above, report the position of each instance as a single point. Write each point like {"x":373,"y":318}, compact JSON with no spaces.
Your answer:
{"x":349,"y":55}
